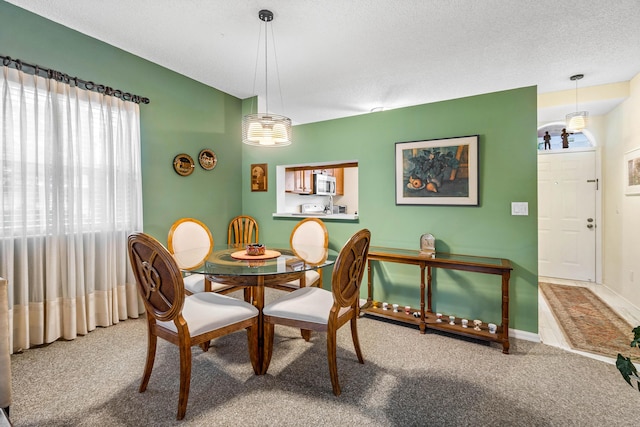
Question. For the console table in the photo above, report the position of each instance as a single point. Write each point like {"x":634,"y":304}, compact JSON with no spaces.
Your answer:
{"x":427,"y":319}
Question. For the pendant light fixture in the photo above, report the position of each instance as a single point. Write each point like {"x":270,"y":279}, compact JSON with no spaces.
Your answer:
{"x":578,"y":120}
{"x":266,"y":129}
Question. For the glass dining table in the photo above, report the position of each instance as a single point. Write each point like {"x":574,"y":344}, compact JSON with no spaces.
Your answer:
{"x":232,"y":265}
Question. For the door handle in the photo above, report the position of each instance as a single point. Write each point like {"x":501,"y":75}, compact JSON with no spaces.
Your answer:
{"x":589,"y":219}
{"x":589,"y":225}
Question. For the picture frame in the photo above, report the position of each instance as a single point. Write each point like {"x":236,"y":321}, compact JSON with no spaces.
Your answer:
{"x":259,"y":181}
{"x":441,"y":172}
{"x":632,"y":172}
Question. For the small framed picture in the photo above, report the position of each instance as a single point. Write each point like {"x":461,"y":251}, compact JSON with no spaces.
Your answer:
{"x":632,"y":172}
{"x":259,"y":177}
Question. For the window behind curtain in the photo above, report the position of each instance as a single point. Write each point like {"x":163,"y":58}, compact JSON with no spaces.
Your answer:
{"x":90,"y":124}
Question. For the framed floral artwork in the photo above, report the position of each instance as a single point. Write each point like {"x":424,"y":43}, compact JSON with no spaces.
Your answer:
{"x":632,"y":172}
{"x":438,"y":172}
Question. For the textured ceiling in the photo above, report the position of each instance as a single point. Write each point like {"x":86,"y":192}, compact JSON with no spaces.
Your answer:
{"x":338,"y":58}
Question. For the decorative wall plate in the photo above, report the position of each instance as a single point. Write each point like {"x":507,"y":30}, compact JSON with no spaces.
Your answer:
{"x":207,"y":159}
{"x":183,"y":164}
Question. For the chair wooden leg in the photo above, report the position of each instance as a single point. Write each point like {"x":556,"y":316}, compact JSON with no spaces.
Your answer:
{"x":306,"y":334}
{"x":152,"y":341}
{"x":356,"y":341}
{"x":185,"y":377}
{"x":205,"y":346}
{"x":333,"y":363}
{"x":268,"y":346}
{"x":256,"y":360}
{"x":248,"y":296}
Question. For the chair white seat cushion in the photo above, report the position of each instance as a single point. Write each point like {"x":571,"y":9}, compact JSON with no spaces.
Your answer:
{"x":311,"y":277}
{"x":207,"y":311}
{"x":194,"y":283}
{"x":308,"y":304}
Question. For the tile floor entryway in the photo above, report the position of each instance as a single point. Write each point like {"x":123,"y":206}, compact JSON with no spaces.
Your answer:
{"x":549,"y":330}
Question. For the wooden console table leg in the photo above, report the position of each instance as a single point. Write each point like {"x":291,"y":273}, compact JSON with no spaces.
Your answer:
{"x":369,"y":284}
{"x":423,"y":324}
{"x":505,"y":312}
{"x":429,"y":308}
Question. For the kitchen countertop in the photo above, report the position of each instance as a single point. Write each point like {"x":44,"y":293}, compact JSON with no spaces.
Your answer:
{"x":344,"y":217}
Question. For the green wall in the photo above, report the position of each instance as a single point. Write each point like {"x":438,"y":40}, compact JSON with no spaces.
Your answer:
{"x":506,"y":123}
{"x":184,"y":116}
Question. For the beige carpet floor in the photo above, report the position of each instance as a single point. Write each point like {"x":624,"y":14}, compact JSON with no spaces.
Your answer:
{"x":408,"y":379}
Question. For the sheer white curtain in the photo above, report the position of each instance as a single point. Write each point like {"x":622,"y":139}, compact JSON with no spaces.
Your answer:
{"x":71,"y":193}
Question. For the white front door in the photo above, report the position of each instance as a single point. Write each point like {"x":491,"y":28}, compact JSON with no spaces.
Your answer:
{"x":566,"y":215}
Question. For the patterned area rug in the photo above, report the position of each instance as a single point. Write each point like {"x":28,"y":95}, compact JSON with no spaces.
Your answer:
{"x":587,"y":322}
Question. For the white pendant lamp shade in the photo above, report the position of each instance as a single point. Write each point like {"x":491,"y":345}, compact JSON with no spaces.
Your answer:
{"x":578,"y":120}
{"x":266,"y":130}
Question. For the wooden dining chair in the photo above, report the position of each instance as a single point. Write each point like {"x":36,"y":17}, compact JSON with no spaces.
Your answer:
{"x":321,"y":310}
{"x":243,"y":229}
{"x":309,"y":241}
{"x":183,"y":320}
{"x":191,"y":243}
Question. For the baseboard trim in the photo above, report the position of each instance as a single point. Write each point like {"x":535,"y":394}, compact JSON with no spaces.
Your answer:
{"x":524,"y":335}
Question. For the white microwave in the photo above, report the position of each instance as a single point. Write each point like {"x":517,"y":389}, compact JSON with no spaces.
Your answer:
{"x":324,"y":185}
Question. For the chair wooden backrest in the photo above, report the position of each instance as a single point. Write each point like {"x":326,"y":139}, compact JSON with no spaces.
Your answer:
{"x":349,"y":269}
{"x":243,"y":229}
{"x":190,"y":242}
{"x":158,"y":277}
{"x":309,"y":240}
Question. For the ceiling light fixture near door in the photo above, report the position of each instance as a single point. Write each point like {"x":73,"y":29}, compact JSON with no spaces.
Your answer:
{"x":578,"y":120}
{"x":266,"y":129}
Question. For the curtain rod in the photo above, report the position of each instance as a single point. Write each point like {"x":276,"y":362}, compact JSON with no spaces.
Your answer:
{"x":78,"y":82}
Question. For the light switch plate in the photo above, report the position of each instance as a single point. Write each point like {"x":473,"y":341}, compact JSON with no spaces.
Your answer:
{"x":520,"y":208}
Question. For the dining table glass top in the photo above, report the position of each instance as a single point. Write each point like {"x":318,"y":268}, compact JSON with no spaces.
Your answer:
{"x":233,"y":260}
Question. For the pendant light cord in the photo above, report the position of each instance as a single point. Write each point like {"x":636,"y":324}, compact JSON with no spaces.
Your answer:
{"x":275,"y":57}
{"x":255,"y":71}
{"x":576,"y":94}
{"x":266,"y":68}
{"x":575,"y":78}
